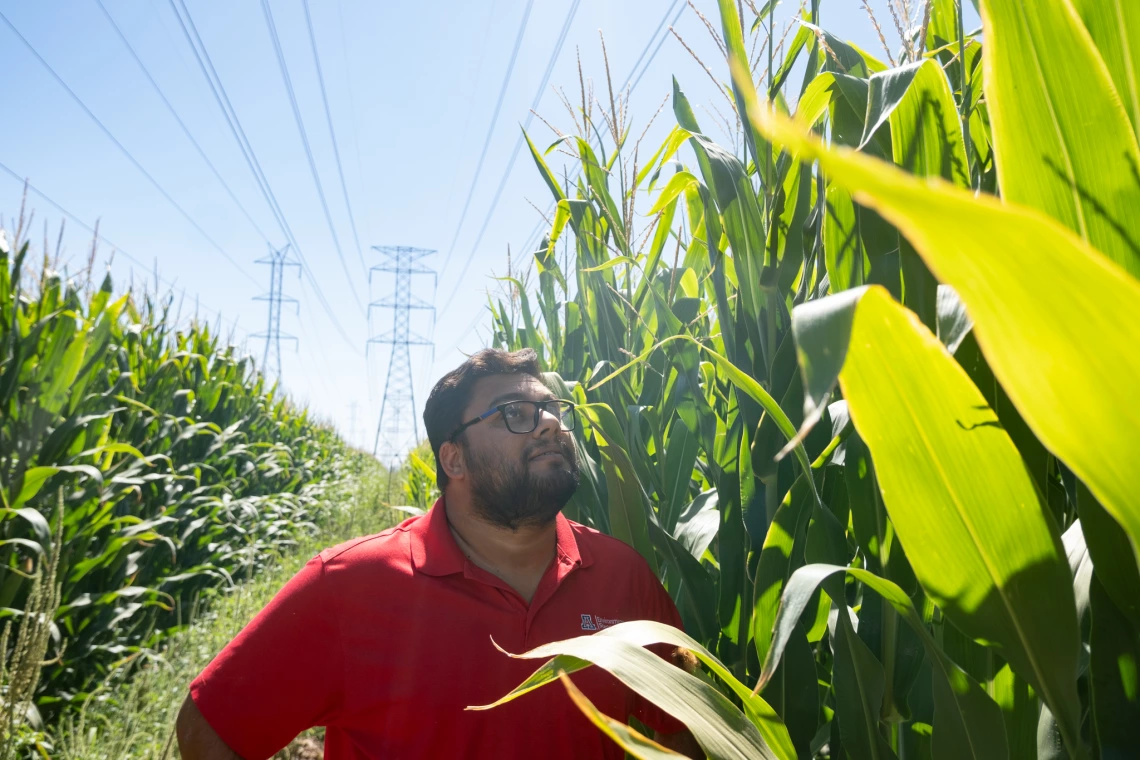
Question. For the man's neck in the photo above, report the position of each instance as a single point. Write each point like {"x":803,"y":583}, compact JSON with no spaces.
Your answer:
{"x":519,"y":557}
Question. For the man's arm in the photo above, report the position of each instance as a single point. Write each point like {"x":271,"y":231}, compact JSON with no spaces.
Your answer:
{"x":197,"y":740}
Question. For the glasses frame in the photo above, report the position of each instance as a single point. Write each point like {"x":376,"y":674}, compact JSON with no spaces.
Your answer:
{"x":539,"y":408}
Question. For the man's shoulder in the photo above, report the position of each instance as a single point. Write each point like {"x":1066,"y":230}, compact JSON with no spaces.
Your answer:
{"x":605,"y":549}
{"x":388,"y":548}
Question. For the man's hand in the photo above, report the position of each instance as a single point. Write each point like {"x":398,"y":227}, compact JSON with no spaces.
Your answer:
{"x":197,"y":740}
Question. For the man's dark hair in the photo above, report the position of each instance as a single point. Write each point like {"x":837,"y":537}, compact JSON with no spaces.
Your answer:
{"x":444,"y":408}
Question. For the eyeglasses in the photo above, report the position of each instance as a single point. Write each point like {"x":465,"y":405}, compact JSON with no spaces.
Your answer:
{"x":522,"y":416}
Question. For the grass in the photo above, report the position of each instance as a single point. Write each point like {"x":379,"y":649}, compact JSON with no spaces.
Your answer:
{"x":132,"y":714}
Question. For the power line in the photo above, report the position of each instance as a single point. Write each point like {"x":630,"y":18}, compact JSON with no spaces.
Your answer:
{"x":645,"y":49}
{"x":123,"y":148}
{"x":305,"y":143}
{"x":533,"y":237}
{"x":177,"y":118}
{"x":97,"y":235}
{"x":351,"y":102}
{"x":471,"y":95}
{"x":515,"y":153}
{"x":490,"y":132}
{"x":206,"y":65}
{"x":332,"y":132}
{"x":530,"y":241}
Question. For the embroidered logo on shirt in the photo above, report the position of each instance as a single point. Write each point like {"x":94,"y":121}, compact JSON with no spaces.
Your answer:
{"x":598,"y":623}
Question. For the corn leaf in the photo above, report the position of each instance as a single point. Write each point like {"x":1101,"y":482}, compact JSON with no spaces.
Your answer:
{"x":719,"y":727}
{"x":954,"y":485}
{"x":1114,"y":669}
{"x":626,"y":737}
{"x":1041,"y":350}
{"x":1063,"y":140}
{"x":967,"y":723}
{"x":858,"y":681}
{"x":1115,"y":30}
{"x":626,"y":500}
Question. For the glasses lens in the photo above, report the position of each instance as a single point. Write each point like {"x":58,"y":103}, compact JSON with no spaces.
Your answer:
{"x":519,"y":416}
{"x":565,"y":412}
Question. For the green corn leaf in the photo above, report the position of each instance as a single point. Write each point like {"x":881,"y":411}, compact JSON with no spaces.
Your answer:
{"x":609,"y":264}
{"x":1115,"y":30}
{"x":676,"y":185}
{"x":1111,"y":555}
{"x":1033,"y":345}
{"x":778,"y":560}
{"x":626,"y":499}
{"x":968,"y":724}
{"x":680,"y":457}
{"x":696,"y":598}
{"x":1114,"y":670}
{"x":697,"y":526}
{"x":858,"y":680}
{"x":37,"y":522}
{"x":926,"y":137}
{"x":34,"y":479}
{"x":954,"y":485}
{"x":1063,"y":140}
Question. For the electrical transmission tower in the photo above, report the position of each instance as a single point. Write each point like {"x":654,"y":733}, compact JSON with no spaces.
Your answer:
{"x":278,"y":260}
{"x":398,"y":407}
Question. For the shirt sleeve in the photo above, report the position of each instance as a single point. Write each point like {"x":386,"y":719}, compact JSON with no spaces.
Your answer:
{"x":282,"y":674}
{"x":658,"y":607}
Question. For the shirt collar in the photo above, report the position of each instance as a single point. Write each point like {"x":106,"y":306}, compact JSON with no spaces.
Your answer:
{"x":435,"y":552}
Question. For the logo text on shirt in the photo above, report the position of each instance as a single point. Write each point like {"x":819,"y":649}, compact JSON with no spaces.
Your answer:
{"x":598,"y":623}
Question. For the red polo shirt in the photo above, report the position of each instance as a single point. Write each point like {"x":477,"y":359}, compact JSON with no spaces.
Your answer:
{"x":385,"y":639}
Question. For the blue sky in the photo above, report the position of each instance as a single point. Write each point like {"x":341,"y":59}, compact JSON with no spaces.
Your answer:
{"x":411,"y":88}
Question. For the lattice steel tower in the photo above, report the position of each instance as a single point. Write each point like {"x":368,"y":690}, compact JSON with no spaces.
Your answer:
{"x":278,"y":260}
{"x":398,"y":408}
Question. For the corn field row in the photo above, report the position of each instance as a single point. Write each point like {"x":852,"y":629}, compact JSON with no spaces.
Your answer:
{"x":140,"y":464}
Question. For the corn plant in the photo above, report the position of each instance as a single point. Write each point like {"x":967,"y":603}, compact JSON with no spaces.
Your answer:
{"x":180,"y":468}
{"x":858,"y":388}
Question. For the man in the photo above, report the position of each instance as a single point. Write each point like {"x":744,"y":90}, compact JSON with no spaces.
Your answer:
{"x":386,"y":639}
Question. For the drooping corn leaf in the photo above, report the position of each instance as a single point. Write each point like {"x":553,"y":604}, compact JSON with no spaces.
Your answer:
{"x":625,"y":736}
{"x":1063,"y":140}
{"x":954,"y":485}
{"x":722,"y":730}
{"x":1041,"y":350}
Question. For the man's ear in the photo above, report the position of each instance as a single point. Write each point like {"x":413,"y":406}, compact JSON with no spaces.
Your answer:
{"x":451,"y":460}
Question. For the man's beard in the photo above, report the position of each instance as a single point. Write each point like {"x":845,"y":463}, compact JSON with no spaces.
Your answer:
{"x":512,"y":494}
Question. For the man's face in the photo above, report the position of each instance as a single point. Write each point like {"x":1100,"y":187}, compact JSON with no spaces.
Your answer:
{"x":516,"y":479}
